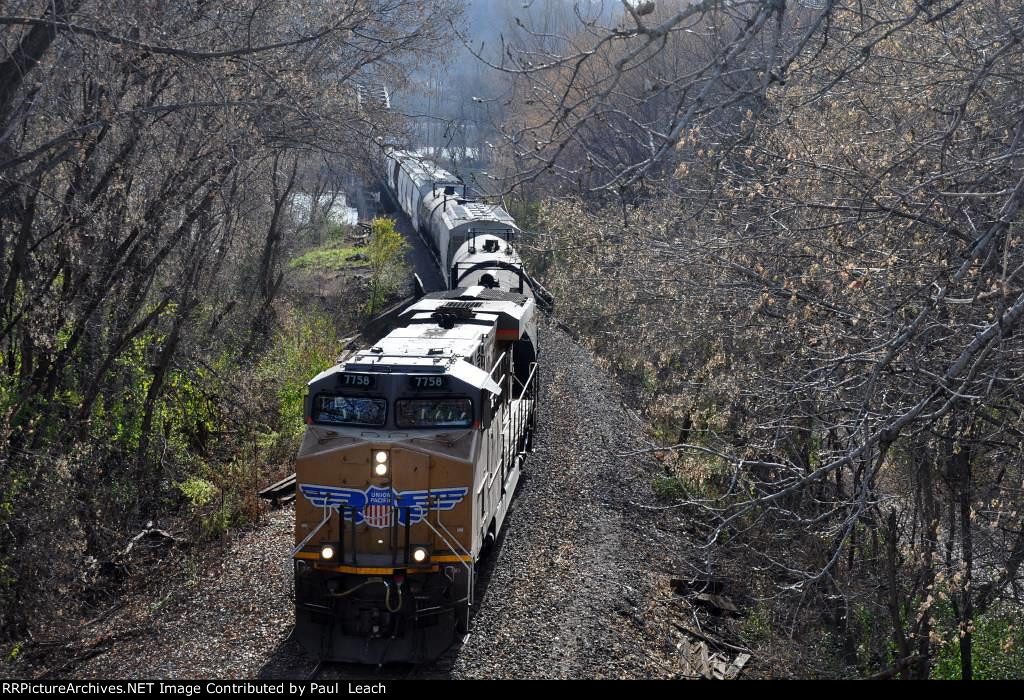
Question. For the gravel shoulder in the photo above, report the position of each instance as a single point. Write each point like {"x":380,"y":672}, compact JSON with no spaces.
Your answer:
{"x":578,"y":586}
{"x":218,"y":620}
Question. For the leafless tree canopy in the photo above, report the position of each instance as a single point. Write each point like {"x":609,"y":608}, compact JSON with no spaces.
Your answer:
{"x":813,"y":271}
{"x":148,"y":151}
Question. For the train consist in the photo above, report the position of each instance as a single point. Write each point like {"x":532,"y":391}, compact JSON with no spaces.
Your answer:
{"x":414,"y":445}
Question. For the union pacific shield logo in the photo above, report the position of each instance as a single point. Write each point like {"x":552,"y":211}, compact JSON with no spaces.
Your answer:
{"x":379,"y":506}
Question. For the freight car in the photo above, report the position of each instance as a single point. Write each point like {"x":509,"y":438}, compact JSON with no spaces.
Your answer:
{"x":414,"y":445}
{"x":474,"y":241}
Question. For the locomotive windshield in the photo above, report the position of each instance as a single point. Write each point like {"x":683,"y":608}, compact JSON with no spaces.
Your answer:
{"x":349,"y":410}
{"x":434,"y":413}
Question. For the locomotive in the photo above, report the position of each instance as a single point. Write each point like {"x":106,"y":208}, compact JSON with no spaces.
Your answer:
{"x":414,"y":446}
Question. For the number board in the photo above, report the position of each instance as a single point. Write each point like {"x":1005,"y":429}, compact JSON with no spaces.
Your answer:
{"x":356,"y":381}
{"x":428,"y":382}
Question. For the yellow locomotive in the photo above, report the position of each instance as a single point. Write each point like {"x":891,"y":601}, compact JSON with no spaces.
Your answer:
{"x":411,"y":456}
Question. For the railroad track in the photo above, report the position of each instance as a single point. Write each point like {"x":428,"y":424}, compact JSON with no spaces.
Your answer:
{"x":311,"y":670}
{"x":280,"y":492}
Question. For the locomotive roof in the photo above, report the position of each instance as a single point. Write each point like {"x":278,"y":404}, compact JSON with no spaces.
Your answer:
{"x":512,"y":311}
{"x":426,"y":346}
{"x":423,"y":346}
{"x":481,"y":293}
{"x":505,"y":251}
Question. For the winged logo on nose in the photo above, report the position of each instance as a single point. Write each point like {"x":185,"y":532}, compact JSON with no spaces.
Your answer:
{"x":380,"y":507}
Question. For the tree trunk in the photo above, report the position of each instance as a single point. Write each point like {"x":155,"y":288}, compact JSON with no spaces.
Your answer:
{"x":893,"y":586}
{"x":966,"y":543}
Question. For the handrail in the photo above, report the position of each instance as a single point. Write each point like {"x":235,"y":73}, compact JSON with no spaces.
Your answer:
{"x":496,"y":364}
{"x":300,"y":545}
{"x":457,"y":274}
{"x":530,"y":376}
{"x":465,"y":563}
{"x":397,"y":354}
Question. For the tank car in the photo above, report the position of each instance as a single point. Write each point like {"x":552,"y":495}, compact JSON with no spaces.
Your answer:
{"x":473,"y":240}
{"x":411,"y":456}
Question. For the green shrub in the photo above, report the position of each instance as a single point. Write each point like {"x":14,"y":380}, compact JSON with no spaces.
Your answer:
{"x":997,"y":645}
{"x":671,"y":488}
{"x":329,"y":257}
{"x":336,"y":233}
{"x":199,"y":491}
{"x":304,"y":346}
{"x":386,"y":251}
{"x":757,"y":624}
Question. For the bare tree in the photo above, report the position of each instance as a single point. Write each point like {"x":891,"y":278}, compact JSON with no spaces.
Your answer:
{"x":821,"y":261}
{"x":147,"y":153}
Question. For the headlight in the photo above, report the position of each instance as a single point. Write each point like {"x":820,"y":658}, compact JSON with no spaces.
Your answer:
{"x":380,"y":468}
{"x":420,"y":554}
{"x":327,"y":552}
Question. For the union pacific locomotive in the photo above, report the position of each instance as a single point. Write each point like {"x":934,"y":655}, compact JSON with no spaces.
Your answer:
{"x":414,"y":446}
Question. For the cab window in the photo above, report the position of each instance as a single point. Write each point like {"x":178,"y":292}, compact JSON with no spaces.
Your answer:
{"x":434,"y":413}
{"x":349,"y":410}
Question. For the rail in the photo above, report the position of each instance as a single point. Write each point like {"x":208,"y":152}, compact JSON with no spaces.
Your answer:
{"x":498,"y":364}
{"x":280,"y":492}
